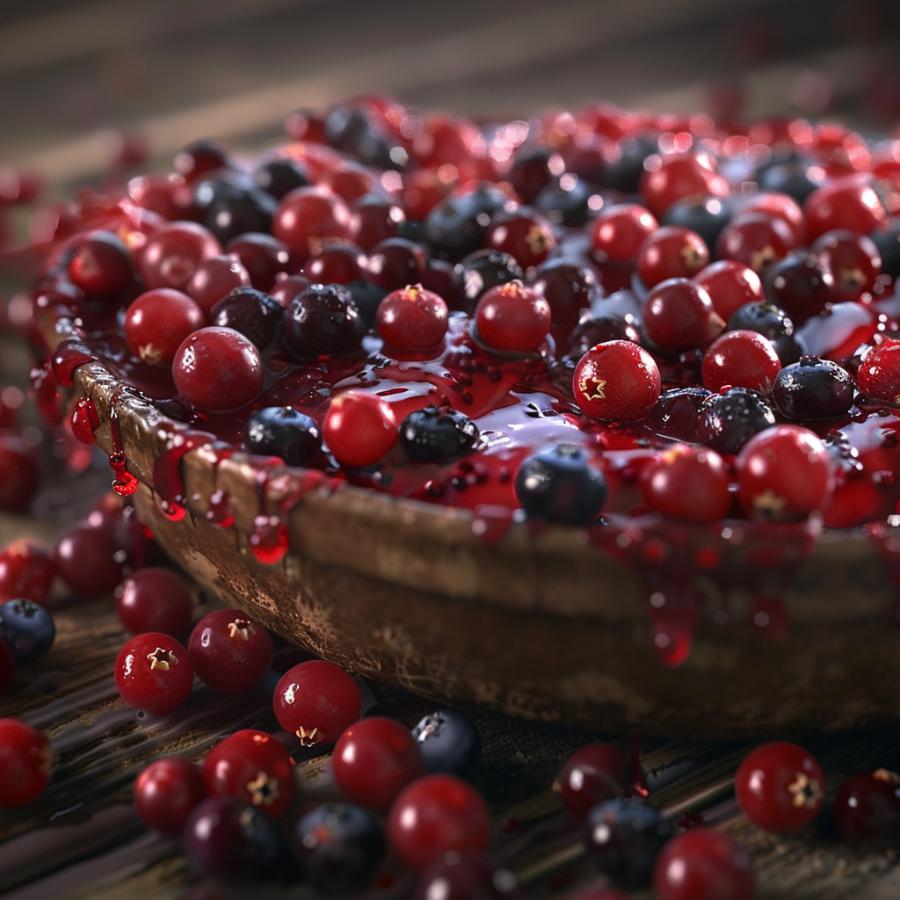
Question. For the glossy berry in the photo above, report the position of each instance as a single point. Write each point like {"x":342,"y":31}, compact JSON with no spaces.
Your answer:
{"x":813,"y":389}
{"x":677,"y":413}
{"x":730,"y":285}
{"x":741,"y":359}
{"x":157,"y":323}
{"x":457,"y":225}
{"x":449,"y":743}
{"x":512,"y":318}
{"x":671,"y":253}
{"x":434,"y":815}
{"x":395,"y":263}
{"x":322,"y":320}
{"x":707,"y":216}
{"x":559,"y":484}
{"x":7,"y":668}
{"x":375,"y":219}
{"x":624,"y":837}
{"x":483,"y":270}
{"x":100,"y":265}
{"x":280,"y":176}
{"x":850,"y":203}
{"x":251,"y":766}
{"x":170,"y":257}
{"x":155,"y":599}
{"x":800,"y":285}
{"x":214,"y":279}
{"x":88,"y":560}
{"x":373,"y":760}
{"x":677,"y":176}
{"x":703,"y":864}
{"x":27,"y":629}
{"x":879,"y":374}
{"x":532,"y":169}
{"x":166,"y":793}
{"x":217,"y":370}
{"x":229,"y":651}
{"x":619,"y":232}
{"x":246,"y":211}
{"x":527,"y":237}
{"x":596,"y":327}
{"x":867,"y":807}
{"x":359,"y":429}
{"x":780,"y":206}
{"x":200,"y":158}
{"x":568,"y":200}
{"x":771,"y":322}
{"x":412,"y":319}
{"x":316,"y":700}
{"x":437,"y":435}
{"x":338,"y":847}
{"x":728,"y":420}
{"x":287,"y":287}
{"x":27,"y":571}
{"x":153,"y":672}
{"x":756,"y":240}
{"x":25,"y":763}
{"x":780,"y":787}
{"x":794,"y":177}
{"x":263,"y":256}
{"x":283,"y":431}
{"x":20,"y":473}
{"x":687,"y":483}
{"x":853,"y":259}
{"x":569,"y":289}
{"x":590,"y":776}
{"x":618,"y":381}
{"x":308,"y":217}
{"x":467,"y":876}
{"x":252,"y":313}
{"x":679,"y":315}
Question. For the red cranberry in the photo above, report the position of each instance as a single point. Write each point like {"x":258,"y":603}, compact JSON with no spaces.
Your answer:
{"x":350,"y":181}
{"x":153,"y":672}
{"x":155,"y":599}
{"x":867,"y":807}
{"x":373,"y":760}
{"x":375,"y":219}
{"x":879,"y":374}
{"x":359,"y":428}
{"x":668,"y":179}
{"x":617,"y":380}
{"x":853,"y":259}
{"x":533,"y":169}
{"x":619,"y":232}
{"x":158,"y":193}
{"x":316,"y":700}
{"x":679,"y":315}
{"x":262,"y":256}
{"x":780,"y":787}
{"x":199,"y":159}
{"x":730,"y":285}
{"x":309,"y":217}
{"x":781,"y":206}
{"x":171,"y":256}
{"x":671,"y":253}
{"x":337,"y":263}
{"x":687,"y":483}
{"x":280,"y":176}
{"x":218,"y":369}
{"x":229,"y":651}
{"x":88,"y":560}
{"x":215,"y":278}
{"x":800,"y":285}
{"x":166,"y":792}
{"x":850,"y":203}
{"x":20,"y":473}
{"x":101,"y":265}
{"x":7,"y":668}
{"x":157,"y":322}
{"x":703,"y":864}
{"x":755,"y":239}
{"x":254,"y":767}
{"x":27,"y":571}
{"x":396,"y":262}
{"x":434,"y":815}
{"x":322,"y":320}
{"x":412,"y":319}
{"x":512,"y":317}
{"x":741,"y":359}
{"x":569,"y":289}
{"x":25,"y":763}
{"x":783,"y":473}
{"x":527,"y":237}
{"x":590,"y":775}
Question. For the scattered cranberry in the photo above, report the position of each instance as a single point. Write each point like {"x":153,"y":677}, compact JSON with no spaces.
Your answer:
{"x":166,"y":792}
{"x":780,"y":787}
{"x":214,"y":278}
{"x":26,"y":571}
{"x":230,"y":652}
{"x":412,"y":319}
{"x":101,"y":265}
{"x":852,"y":258}
{"x":359,"y":428}
{"x":527,"y":237}
{"x":850,"y":203}
{"x":20,"y":473}
{"x":88,"y":560}
{"x":154,"y":673}
{"x":679,"y":315}
{"x":316,"y":700}
{"x":395,"y":263}
{"x":670,"y":178}
{"x":25,"y":763}
{"x":262,"y":256}
{"x":373,"y":760}
{"x":687,"y":483}
{"x":171,"y":256}
{"x":155,"y":599}
{"x":756,"y":240}
{"x":781,"y":206}
{"x":157,"y":322}
{"x":619,"y":232}
{"x":867,"y":807}
{"x":590,"y":775}
{"x":374,"y":220}
{"x":741,"y":359}
{"x":618,"y":381}
{"x":434,"y":815}
{"x":308,"y":217}
{"x":671,"y":253}
{"x":703,"y":864}
{"x":336,"y":263}
{"x":513,"y":318}
{"x":730,"y":286}
{"x":879,"y":374}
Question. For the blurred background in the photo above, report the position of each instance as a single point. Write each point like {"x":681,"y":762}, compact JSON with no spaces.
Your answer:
{"x":91,"y":82}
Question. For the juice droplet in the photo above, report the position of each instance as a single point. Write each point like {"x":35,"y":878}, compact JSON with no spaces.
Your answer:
{"x":68,"y":357}
{"x":85,"y":420}
{"x":219,"y":512}
{"x":269,"y":540}
{"x":168,"y":481}
{"x":124,"y":483}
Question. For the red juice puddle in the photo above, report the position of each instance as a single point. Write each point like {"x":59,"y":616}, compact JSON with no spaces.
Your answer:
{"x":85,"y":420}
{"x":124,"y":483}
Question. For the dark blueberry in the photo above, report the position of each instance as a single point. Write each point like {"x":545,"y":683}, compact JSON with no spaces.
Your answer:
{"x":27,"y":629}
{"x":449,"y":742}
{"x":597,"y":328}
{"x":729,"y":420}
{"x":887,"y":240}
{"x":223,"y":187}
{"x":813,"y":389}
{"x":708,"y":216}
{"x":366,"y":296}
{"x":799,"y":284}
{"x":624,"y":837}
{"x":560,"y":485}
{"x":569,"y":289}
{"x":623,"y":172}
{"x":352,"y":131}
{"x":466,"y":875}
{"x":412,"y":230}
{"x":456,"y":226}
{"x":677,"y":413}
{"x":253,"y":313}
{"x":484,"y":269}
{"x":338,"y":847}
{"x":532,"y":169}
{"x":792,"y":177}
{"x":251,"y":212}
{"x":437,"y":435}
{"x":199,"y":159}
{"x":280,"y":176}
{"x":396,"y":262}
{"x":771,"y":322}
{"x":283,"y":431}
{"x":567,"y":201}
{"x":323,"y":319}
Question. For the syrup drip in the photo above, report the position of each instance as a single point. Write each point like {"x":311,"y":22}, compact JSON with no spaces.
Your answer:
{"x":68,"y":357}
{"x":124,"y":483}
{"x":85,"y":420}
{"x":219,"y":511}
{"x":168,"y":480}
{"x":269,"y":538}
